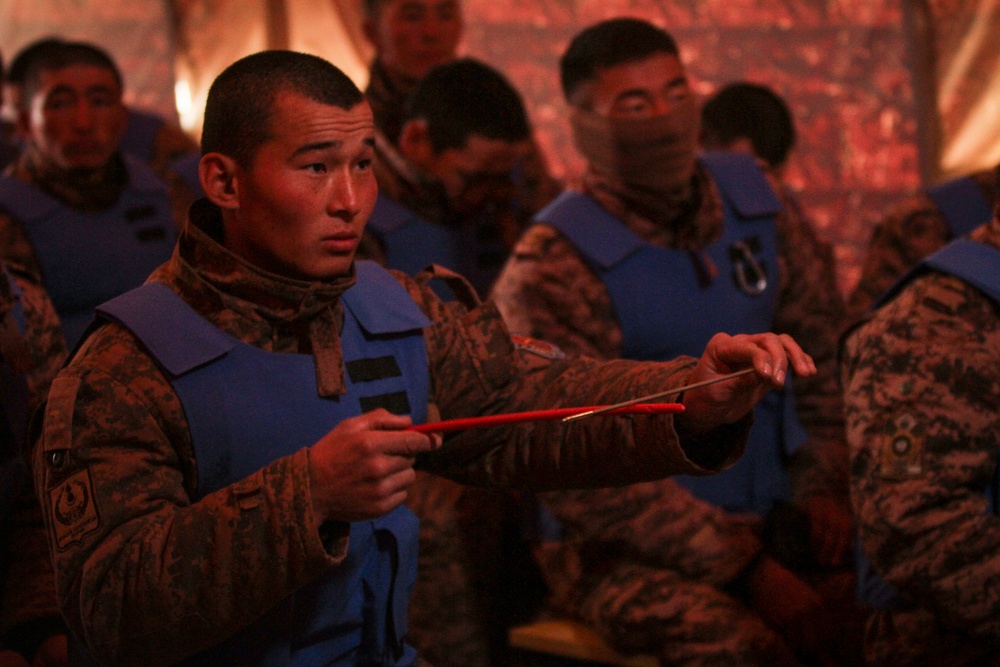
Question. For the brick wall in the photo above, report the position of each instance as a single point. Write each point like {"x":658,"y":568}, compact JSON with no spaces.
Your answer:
{"x":841,"y":64}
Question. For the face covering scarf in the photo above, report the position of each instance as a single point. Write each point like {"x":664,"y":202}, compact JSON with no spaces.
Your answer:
{"x":648,"y":162}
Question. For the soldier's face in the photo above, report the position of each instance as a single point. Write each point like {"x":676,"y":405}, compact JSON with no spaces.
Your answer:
{"x":640,"y":89}
{"x":301,"y":207}
{"x":75,"y":116}
{"x":412,"y":36}
{"x":478,"y":173}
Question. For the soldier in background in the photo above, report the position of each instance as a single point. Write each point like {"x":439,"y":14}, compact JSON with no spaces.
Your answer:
{"x":411,"y":37}
{"x":919,"y":225}
{"x":92,"y":221}
{"x":922,"y":397}
{"x":164,"y":146}
{"x":658,"y":249}
{"x":750,"y":118}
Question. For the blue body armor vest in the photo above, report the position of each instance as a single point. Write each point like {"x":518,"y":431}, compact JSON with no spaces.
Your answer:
{"x":247,"y":407}
{"x":664,"y":311}
{"x":139,"y":138}
{"x":475,"y":251}
{"x":977,"y":264}
{"x":963,"y":205}
{"x":89,"y":257}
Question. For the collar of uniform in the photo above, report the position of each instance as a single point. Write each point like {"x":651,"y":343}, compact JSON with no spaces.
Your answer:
{"x":95,"y":191}
{"x":691,"y":226}
{"x":260,"y":308}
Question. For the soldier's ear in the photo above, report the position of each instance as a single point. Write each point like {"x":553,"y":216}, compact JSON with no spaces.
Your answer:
{"x":219,"y":176}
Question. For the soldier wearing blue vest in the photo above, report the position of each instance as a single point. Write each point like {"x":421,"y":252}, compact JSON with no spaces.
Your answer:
{"x":920,"y":225}
{"x":447,"y":185}
{"x":222,"y":465}
{"x":922,"y":396}
{"x":657,"y":251}
{"x":92,"y":221}
{"x":464,"y":145}
{"x":32,"y":351}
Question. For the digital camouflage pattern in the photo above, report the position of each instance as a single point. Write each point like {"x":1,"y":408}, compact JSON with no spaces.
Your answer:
{"x":146,"y":576}
{"x":615,"y":539}
{"x":913,"y":229}
{"x":922,"y":390}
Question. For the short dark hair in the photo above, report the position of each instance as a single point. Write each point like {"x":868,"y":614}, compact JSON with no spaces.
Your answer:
{"x":51,"y":54}
{"x":241,"y":99}
{"x":18,"y":66}
{"x":751,"y":111}
{"x":610,"y":43}
{"x":465,"y":97}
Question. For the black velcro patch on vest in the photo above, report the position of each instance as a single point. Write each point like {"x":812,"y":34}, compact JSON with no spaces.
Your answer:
{"x":140,"y":213}
{"x":376,"y":368}
{"x":397,"y":403}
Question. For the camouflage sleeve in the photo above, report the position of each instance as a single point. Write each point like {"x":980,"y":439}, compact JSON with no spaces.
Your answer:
{"x":44,"y":333}
{"x":913,"y":229}
{"x":663,"y":525}
{"x":922,"y":392}
{"x":546,"y":291}
{"x":478,"y":369}
{"x":811,"y":310}
{"x":142,"y":569}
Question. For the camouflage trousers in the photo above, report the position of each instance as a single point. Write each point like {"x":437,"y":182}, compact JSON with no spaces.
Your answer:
{"x":640,"y":609}
{"x":914,"y":637}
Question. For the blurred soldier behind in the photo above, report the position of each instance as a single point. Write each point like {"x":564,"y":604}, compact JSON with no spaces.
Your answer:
{"x":411,"y":37}
{"x":918,"y":226}
{"x":660,"y":247}
{"x":91,"y":220}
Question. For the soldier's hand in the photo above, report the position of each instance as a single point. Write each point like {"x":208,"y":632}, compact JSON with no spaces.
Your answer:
{"x":363,"y":468}
{"x":771,"y":355}
{"x":790,"y":606}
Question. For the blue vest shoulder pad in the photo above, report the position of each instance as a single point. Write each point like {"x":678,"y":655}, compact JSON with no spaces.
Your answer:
{"x":976,"y":263}
{"x":742,"y":182}
{"x":603,"y":237}
{"x":150,"y":312}
{"x":963,"y":205}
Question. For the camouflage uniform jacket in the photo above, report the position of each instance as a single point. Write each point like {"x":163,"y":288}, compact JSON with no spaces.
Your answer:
{"x":144,"y":574}
{"x":29,"y":607}
{"x":922,"y":401}
{"x":546,"y":290}
{"x":913,"y":229}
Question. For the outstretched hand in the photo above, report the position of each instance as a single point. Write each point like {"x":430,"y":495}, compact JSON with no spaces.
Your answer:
{"x":363,"y":467}
{"x":771,"y":356}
